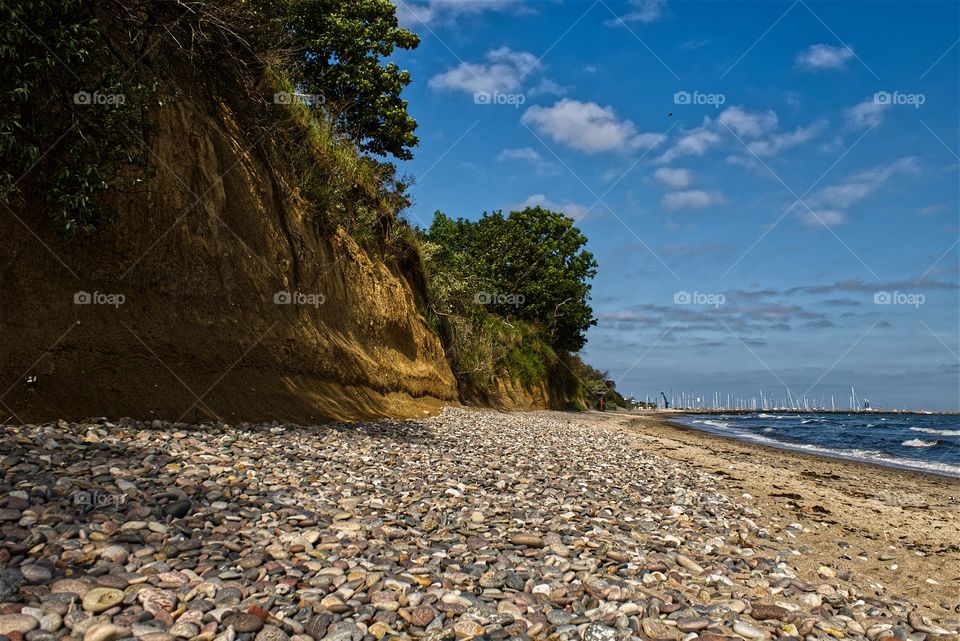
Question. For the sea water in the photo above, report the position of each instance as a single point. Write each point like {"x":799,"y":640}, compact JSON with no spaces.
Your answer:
{"x":921,"y":442}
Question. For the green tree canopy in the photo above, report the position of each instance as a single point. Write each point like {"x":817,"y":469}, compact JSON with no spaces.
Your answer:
{"x":530,"y":265}
{"x":340,"y":46}
{"x":81,"y":80}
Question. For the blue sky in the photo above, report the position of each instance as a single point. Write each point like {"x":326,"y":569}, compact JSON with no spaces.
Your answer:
{"x":771,"y":189}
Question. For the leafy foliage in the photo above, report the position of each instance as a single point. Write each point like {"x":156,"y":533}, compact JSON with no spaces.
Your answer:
{"x":509,"y":295}
{"x":530,"y":264}
{"x":339,"y":46}
{"x":72,"y":121}
{"x":71,"y":152}
{"x":596,"y":382}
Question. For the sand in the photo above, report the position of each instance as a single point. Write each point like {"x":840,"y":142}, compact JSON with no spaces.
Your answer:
{"x":897,"y":528}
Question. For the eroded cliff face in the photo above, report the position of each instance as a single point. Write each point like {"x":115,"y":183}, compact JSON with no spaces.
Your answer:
{"x":199,"y":257}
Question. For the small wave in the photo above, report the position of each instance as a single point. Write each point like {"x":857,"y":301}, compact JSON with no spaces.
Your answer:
{"x":915,"y":442}
{"x":768,"y":429}
{"x":716,"y":424}
{"x":928,"y":430}
{"x":863,"y":455}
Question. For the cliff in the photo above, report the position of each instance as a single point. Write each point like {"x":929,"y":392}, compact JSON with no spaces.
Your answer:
{"x":180,"y":310}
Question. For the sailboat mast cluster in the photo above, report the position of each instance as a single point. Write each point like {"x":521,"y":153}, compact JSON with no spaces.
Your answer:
{"x":766,"y":400}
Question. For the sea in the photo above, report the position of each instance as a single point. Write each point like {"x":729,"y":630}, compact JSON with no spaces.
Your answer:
{"x":919,"y":442}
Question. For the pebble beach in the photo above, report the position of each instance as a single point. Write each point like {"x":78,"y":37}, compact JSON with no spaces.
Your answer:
{"x":472,"y":524}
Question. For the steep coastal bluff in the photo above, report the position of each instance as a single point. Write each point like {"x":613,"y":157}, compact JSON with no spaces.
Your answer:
{"x":216,"y":295}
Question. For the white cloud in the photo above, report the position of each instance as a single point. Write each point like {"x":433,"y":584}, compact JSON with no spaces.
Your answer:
{"x":862,"y":184}
{"x":587,"y":127}
{"x":697,"y":142}
{"x":675,"y":178}
{"x":828,"y":203}
{"x":780,"y":141}
{"x":746,"y":124}
{"x":530,"y":156}
{"x":693,"y":143}
{"x":572,"y":209}
{"x":547,"y":87}
{"x":690,"y":199}
{"x":867,"y":113}
{"x":503,"y":71}
{"x":747,"y":162}
{"x":415,"y":12}
{"x":931,"y":210}
{"x":693,"y":45}
{"x":643,"y":11}
{"x":758,"y":130}
{"x":845,"y":194}
{"x":824,"y":57}
{"x":527,"y":154}
{"x":823,"y":218}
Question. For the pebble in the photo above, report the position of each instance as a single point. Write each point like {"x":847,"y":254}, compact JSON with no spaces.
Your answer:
{"x":530,"y":540}
{"x":177,"y":509}
{"x":559,"y":617}
{"x":467,"y":629}
{"x":36,"y":573}
{"x":317,"y":625}
{"x":762,"y":612}
{"x":105,"y":632}
{"x":243,"y":622}
{"x":468,"y":525}
{"x":597,"y":632}
{"x":183,"y":629}
{"x":100,"y":599}
{"x":51,"y":622}
{"x":657,"y":629}
{"x":21,"y":623}
{"x":693,"y":624}
{"x":421,"y":616}
{"x":689,"y":564}
{"x":114,"y":554}
{"x":747,"y":631}
{"x":73,"y":586}
{"x":272,"y":633}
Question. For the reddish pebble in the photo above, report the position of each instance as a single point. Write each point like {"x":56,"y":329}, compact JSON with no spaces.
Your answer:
{"x":258,"y":612}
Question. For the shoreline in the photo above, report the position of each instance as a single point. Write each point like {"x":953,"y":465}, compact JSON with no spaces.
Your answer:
{"x":823,"y":453}
{"x":895,"y":527}
{"x":816,"y":411}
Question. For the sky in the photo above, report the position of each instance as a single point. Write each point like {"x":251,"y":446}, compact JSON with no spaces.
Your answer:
{"x":771,"y":189}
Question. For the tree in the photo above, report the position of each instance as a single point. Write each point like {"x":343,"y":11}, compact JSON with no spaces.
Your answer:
{"x":72,"y":118}
{"x":340,"y":44}
{"x":596,"y":382}
{"x":531,"y":265}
